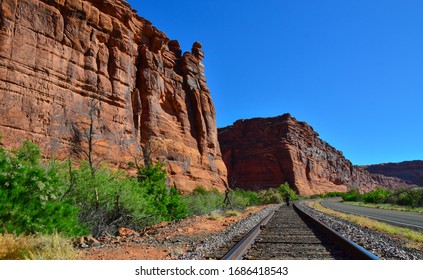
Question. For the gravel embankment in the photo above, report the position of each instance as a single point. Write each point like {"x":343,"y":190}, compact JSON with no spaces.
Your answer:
{"x":381,"y":245}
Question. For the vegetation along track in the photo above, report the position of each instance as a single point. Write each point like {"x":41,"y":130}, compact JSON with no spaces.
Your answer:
{"x":290,"y":233}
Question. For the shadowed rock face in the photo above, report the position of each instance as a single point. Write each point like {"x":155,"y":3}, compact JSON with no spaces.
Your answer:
{"x":152,"y":101}
{"x":266,"y":152}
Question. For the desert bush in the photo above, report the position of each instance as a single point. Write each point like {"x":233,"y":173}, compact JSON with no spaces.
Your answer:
{"x":407,"y":197}
{"x":102,"y":199}
{"x":122,"y":201}
{"x":201,"y":201}
{"x":270,"y":196}
{"x":403,"y":197}
{"x":286,"y":189}
{"x":378,"y":195}
{"x":30,"y":195}
{"x":351,"y":195}
{"x":231,"y":213}
{"x":165,"y":201}
{"x":240,"y":199}
{"x":36,"y":247}
{"x":328,"y":195}
{"x":176,"y":208}
{"x":13,"y":247}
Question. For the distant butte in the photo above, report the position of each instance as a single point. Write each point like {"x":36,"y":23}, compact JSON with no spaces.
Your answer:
{"x":411,"y":171}
{"x":266,"y":152}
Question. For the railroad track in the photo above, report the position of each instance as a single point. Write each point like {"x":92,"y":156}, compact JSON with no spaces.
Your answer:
{"x":290,"y":233}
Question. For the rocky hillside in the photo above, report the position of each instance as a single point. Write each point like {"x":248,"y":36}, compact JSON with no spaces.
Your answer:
{"x":265,"y":152}
{"x":411,"y":171}
{"x":68,"y":66}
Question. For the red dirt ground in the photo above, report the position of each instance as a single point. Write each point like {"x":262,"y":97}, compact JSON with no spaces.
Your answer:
{"x":162,"y":241}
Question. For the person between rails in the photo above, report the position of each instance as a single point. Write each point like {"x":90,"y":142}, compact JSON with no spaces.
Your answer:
{"x":287,"y":198}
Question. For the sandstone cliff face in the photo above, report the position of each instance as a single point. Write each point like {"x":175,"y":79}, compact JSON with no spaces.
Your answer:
{"x":411,"y":171}
{"x":266,"y":152}
{"x":58,"y":56}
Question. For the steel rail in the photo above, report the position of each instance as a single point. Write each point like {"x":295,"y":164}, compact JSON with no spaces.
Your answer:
{"x":354,"y":250}
{"x":238,"y":251}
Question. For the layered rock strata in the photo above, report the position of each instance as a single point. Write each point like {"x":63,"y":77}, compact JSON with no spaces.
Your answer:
{"x":71,"y":66}
{"x":266,"y":152}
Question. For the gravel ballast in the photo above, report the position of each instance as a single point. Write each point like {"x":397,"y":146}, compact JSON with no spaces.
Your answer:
{"x":380,"y":244}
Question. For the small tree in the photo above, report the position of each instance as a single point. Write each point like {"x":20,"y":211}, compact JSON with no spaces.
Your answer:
{"x":84,"y":141}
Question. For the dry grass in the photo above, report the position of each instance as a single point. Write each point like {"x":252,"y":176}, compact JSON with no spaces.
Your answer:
{"x":413,"y":238}
{"x":214,"y":217}
{"x":31,"y":247}
{"x":232,"y":213}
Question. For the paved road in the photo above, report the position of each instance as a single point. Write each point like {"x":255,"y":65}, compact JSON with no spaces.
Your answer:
{"x":399,"y":218}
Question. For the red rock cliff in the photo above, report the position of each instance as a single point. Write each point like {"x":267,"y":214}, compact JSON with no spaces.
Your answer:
{"x":266,"y":152}
{"x":58,"y":56}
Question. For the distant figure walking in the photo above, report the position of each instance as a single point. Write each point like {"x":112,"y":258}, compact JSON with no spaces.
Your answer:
{"x":287,"y":198}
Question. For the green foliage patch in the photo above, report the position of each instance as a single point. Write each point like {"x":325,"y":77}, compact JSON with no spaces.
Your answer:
{"x":404,"y":197}
{"x":37,"y":197}
{"x":351,"y":195}
{"x":110,"y":199}
{"x":30,"y":195}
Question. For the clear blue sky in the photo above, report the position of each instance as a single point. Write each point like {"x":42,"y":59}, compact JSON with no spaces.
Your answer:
{"x":352,"y":69}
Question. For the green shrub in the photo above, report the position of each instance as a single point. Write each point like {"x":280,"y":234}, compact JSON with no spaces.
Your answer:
{"x":231,"y":213}
{"x":331,"y":194}
{"x":378,"y":195}
{"x":30,"y":195}
{"x":108,"y":200}
{"x":351,"y":195}
{"x":403,"y":197}
{"x":176,"y":208}
{"x":240,"y":199}
{"x":200,"y":190}
{"x":121,"y":201}
{"x":201,"y":201}
{"x":285,"y":189}
{"x":166,"y":202}
{"x":270,"y":196}
{"x":407,"y":197}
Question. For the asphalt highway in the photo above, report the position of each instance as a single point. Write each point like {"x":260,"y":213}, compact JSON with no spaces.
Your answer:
{"x":398,"y":218}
